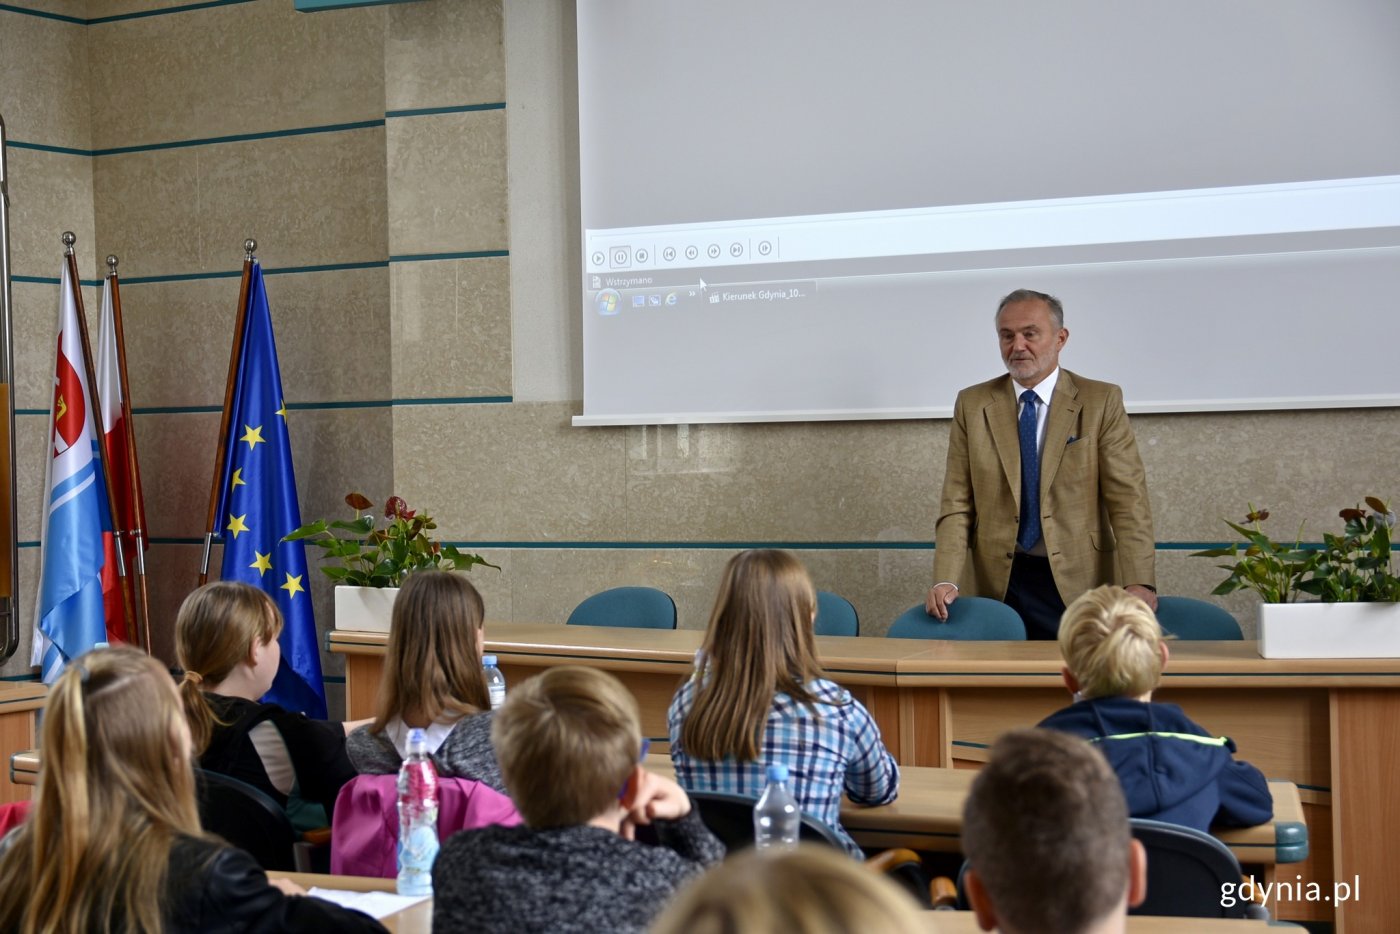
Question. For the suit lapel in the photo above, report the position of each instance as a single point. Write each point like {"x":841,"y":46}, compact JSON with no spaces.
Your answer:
{"x":1000,"y":414}
{"x":1064,"y":413}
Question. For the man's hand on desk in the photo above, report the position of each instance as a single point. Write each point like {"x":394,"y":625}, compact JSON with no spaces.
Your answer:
{"x":1146,"y":594}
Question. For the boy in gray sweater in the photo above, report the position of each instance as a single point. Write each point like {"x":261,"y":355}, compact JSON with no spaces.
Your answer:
{"x":569,"y":745}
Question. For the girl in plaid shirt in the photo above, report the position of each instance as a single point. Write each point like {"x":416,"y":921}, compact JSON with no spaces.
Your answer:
{"x":758,"y":697}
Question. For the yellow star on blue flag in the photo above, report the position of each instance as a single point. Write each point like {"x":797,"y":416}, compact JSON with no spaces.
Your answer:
{"x":260,"y":499}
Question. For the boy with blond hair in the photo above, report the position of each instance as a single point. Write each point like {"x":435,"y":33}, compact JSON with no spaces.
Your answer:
{"x":1170,"y":768}
{"x":569,"y":744}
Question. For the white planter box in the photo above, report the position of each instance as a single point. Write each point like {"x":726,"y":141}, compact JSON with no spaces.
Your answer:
{"x":1329,"y":630}
{"x":364,"y":609}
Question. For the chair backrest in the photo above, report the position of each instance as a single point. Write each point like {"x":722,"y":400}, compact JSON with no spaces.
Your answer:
{"x":969,"y":618}
{"x":630,"y":607}
{"x":247,"y":818}
{"x":365,"y":828}
{"x":730,"y":817}
{"x":1189,"y":618}
{"x":835,"y":615}
{"x":1185,"y":870}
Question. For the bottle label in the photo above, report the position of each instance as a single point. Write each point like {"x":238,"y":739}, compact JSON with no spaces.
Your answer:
{"x":498,"y":695}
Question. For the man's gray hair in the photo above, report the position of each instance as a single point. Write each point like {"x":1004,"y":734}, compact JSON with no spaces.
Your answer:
{"x":1057,"y":311}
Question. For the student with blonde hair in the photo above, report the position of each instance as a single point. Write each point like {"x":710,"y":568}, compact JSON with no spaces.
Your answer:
{"x":1171,"y":768}
{"x":758,"y":697}
{"x":114,"y":842}
{"x":813,"y":889}
{"x":1045,"y":830}
{"x":226,"y":642}
{"x":570,"y":745}
{"x":433,"y":681}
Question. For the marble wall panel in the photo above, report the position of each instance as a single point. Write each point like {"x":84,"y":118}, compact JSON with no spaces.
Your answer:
{"x":510,"y":472}
{"x":329,"y":328}
{"x":1301,"y":465}
{"x":443,"y":55}
{"x":59,"y":7}
{"x":31,"y":449}
{"x":451,"y":328}
{"x":44,"y":94}
{"x":819,"y":481}
{"x":307,"y":200}
{"x":17,"y":665}
{"x":49,"y":193}
{"x":233,"y":69}
{"x":449,"y":183}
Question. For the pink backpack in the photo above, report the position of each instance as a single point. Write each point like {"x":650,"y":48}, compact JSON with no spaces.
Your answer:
{"x":365,"y":829}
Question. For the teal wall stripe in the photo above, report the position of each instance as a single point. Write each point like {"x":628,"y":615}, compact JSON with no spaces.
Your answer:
{"x":53,"y":280}
{"x":242,"y":137}
{"x":44,"y":147}
{"x":116,"y":18}
{"x":28,"y":545}
{"x":317,"y":406}
{"x":434,"y":111}
{"x":42,"y":14}
{"x":430,"y":257}
{"x":29,"y":677}
{"x":236,"y":273}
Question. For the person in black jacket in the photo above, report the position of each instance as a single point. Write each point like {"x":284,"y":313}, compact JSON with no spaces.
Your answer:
{"x":569,"y":742}
{"x":226,"y":641}
{"x":113,"y":842}
{"x":1171,"y":769}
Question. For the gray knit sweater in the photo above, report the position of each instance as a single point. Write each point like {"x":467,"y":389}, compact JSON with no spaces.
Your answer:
{"x":466,"y":753}
{"x":581,"y":878}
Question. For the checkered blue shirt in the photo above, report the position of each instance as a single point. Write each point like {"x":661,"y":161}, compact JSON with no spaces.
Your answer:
{"x":837,"y":750}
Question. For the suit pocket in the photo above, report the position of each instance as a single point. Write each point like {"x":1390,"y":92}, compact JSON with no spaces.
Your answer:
{"x":1103,"y":541}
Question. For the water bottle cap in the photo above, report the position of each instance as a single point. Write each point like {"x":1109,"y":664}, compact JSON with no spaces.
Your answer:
{"x":488,"y":661}
{"x":777,"y":773}
{"x":415,"y":735}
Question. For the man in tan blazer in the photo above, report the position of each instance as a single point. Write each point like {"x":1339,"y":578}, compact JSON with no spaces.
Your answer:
{"x":1086,"y":520}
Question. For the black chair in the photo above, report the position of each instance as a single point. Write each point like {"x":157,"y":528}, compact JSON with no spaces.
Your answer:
{"x":249,"y":819}
{"x":730,"y":817}
{"x":1185,"y":871}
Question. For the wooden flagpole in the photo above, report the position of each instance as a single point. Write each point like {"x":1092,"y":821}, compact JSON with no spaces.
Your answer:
{"x":211,"y":524}
{"x":133,"y":468}
{"x":95,"y":407}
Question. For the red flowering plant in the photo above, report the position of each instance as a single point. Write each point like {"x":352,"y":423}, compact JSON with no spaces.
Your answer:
{"x":371,"y":555}
{"x":1355,"y":566}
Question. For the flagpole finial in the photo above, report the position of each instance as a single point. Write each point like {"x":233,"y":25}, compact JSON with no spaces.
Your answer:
{"x":68,"y":241}
{"x":250,"y":246}
{"x":111,"y":264}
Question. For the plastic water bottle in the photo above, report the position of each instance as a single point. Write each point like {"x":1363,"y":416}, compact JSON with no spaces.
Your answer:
{"x":495,"y":681}
{"x":418,"y":814}
{"x":776,"y":819}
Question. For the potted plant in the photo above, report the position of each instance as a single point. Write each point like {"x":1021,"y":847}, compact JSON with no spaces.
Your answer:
{"x":1351,"y":605}
{"x":373,"y":558}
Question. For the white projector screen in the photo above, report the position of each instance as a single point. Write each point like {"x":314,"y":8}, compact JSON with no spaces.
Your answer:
{"x":801,"y":211}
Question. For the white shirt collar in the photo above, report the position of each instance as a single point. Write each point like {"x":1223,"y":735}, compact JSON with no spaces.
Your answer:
{"x":1044,"y":389}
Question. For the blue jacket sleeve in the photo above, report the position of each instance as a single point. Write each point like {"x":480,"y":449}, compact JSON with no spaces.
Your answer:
{"x":1245,"y":799}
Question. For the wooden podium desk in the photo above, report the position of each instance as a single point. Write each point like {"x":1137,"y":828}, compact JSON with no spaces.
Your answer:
{"x":1330,"y":726}
{"x":20,"y":702}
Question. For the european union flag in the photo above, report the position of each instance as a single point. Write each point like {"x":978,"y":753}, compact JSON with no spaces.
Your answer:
{"x":258,"y":506}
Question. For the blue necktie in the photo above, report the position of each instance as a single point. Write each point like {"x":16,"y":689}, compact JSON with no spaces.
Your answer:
{"x":1030,"y":474}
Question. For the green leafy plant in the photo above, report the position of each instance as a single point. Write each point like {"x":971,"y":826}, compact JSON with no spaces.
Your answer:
{"x":1352,"y":567}
{"x":373,"y":556}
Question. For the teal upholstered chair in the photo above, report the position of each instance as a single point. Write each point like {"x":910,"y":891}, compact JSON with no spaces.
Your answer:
{"x":969,"y":618}
{"x":835,"y":615}
{"x":628,"y":607}
{"x":1188,"y":618}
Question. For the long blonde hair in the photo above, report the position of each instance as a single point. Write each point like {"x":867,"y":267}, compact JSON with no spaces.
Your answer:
{"x":217,"y":627}
{"x":115,"y":790}
{"x":759,"y":643}
{"x":811,"y":890}
{"x":432,"y":665}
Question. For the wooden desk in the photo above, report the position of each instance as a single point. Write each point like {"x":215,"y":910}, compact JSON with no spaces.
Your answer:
{"x":1326,"y":725}
{"x":965,"y":922}
{"x":927,"y":815}
{"x":19,"y":702}
{"x":416,"y":919}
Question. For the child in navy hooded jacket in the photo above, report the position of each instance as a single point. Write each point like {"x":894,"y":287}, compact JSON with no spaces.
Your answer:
{"x":1171,"y":769}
